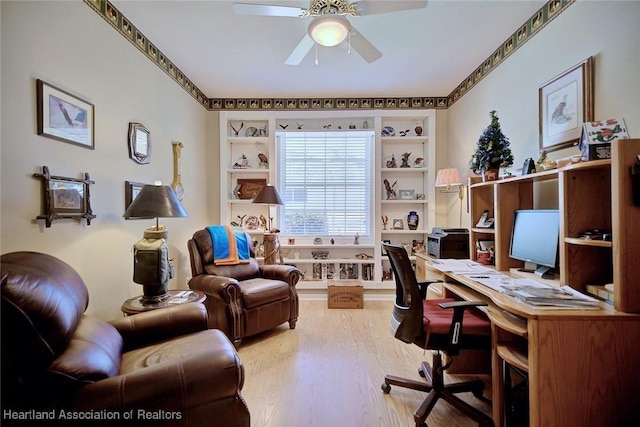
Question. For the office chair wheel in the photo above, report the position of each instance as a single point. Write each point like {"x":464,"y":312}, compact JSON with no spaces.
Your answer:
{"x":421,"y":373}
{"x":478,"y":391}
{"x":386,"y":388}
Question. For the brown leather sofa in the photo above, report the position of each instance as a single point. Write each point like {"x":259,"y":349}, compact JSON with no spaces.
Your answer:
{"x":158,"y":368}
{"x":243,"y":299}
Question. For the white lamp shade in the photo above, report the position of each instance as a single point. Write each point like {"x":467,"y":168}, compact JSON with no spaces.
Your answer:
{"x":448,"y":177}
{"x":329,"y":30}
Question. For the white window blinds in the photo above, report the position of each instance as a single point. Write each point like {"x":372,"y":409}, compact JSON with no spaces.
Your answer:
{"x":325,"y":179}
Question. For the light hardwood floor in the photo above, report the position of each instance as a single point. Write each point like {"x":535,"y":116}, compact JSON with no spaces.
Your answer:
{"x":328,"y":371}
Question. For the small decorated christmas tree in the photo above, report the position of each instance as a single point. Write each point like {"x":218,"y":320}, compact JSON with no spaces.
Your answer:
{"x":492,"y":149}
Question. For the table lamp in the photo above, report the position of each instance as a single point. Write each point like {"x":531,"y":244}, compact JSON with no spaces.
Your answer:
{"x":269,"y":195}
{"x":152,"y":268}
{"x":448,"y":178}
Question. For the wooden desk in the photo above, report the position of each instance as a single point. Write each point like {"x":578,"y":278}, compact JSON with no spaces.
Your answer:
{"x":582,"y":364}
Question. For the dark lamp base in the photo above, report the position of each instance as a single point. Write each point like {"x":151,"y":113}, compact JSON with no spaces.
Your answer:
{"x":153,"y":294}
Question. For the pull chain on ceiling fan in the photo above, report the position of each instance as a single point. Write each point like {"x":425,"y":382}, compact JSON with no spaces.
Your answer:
{"x":329,"y":26}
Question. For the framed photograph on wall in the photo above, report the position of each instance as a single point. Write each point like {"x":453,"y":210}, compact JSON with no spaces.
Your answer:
{"x":63,"y":116}
{"x":139,"y":143}
{"x":65,"y":197}
{"x":564,"y":103}
{"x":131,"y":190}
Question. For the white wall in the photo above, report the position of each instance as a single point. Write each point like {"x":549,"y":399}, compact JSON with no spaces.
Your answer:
{"x":70,"y":46}
{"x":606,"y":30}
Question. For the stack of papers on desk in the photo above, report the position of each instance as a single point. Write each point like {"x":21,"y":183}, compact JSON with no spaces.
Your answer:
{"x":460,"y":266}
{"x":533,"y":293}
{"x":549,"y":297}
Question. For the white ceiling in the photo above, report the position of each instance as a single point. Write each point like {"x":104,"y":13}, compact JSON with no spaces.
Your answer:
{"x":426,"y":52}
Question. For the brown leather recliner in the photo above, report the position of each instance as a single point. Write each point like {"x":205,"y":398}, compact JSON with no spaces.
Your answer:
{"x":243,"y":299}
{"x":160,"y":368}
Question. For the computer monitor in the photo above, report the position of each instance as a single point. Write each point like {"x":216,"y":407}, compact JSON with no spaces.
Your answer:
{"x":535,"y":240}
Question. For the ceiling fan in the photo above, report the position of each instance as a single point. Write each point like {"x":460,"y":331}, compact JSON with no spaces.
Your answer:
{"x":329,"y":26}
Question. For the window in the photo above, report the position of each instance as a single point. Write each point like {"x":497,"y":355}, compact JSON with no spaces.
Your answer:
{"x":325,"y":179}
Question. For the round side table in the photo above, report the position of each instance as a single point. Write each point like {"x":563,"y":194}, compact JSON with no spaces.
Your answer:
{"x":136,"y":305}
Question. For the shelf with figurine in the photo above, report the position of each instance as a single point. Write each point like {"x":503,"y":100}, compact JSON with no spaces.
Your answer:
{"x":408,"y":161}
{"x":240,"y":130}
{"x":243,"y":160}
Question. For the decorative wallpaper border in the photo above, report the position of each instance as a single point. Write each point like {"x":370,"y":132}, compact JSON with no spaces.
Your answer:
{"x":539,"y":20}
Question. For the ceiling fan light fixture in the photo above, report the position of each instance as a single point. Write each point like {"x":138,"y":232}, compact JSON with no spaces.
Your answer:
{"x":329,"y":30}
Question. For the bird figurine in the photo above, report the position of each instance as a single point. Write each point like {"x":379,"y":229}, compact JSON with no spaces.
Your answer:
{"x":236,"y":132}
{"x":418,"y":162}
{"x":392,"y":162}
{"x":391,"y":192}
{"x":405,"y":160}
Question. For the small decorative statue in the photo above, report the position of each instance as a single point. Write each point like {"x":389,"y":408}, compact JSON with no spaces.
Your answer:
{"x":263,"y":222}
{"x":391,"y":192}
{"x":236,"y":131}
{"x":242,"y":163}
{"x":417,"y":163}
{"x":264,"y":160}
{"x":544,"y":163}
{"x":356,"y":239}
{"x":405,"y":160}
{"x":392,"y":163}
{"x":385,"y":221}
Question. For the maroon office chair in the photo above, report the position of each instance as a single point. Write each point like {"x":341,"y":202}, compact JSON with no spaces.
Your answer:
{"x":444,"y":325}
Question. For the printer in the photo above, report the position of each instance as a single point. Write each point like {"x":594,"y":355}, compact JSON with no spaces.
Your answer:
{"x":448,"y":243}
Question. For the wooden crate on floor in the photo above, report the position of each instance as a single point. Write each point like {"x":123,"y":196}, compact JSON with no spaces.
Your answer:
{"x":345,"y":294}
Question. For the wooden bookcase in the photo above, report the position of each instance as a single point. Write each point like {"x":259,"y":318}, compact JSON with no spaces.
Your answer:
{"x":591,"y":195}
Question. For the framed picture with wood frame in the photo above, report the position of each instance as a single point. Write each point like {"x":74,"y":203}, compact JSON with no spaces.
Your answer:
{"x":65,"y":197}
{"x":564,"y":103}
{"x":64,"y":116}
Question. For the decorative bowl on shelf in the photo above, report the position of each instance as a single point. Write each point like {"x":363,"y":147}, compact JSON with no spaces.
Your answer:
{"x":252,"y":223}
{"x":320,"y":254}
{"x":388,"y":131}
{"x":252,"y":131}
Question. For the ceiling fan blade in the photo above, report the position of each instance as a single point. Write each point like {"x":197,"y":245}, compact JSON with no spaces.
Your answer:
{"x":370,"y":7}
{"x":364,"y":47}
{"x":300,"y":51}
{"x":266,"y":10}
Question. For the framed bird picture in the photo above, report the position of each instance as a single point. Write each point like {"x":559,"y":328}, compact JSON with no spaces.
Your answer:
{"x":64,"y":116}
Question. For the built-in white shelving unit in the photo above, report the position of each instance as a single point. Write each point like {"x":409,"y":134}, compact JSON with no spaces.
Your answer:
{"x":408,"y":132}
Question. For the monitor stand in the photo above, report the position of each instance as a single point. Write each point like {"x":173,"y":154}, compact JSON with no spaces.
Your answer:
{"x":529,"y":267}
{"x":544,"y":272}
{"x":539,"y":270}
